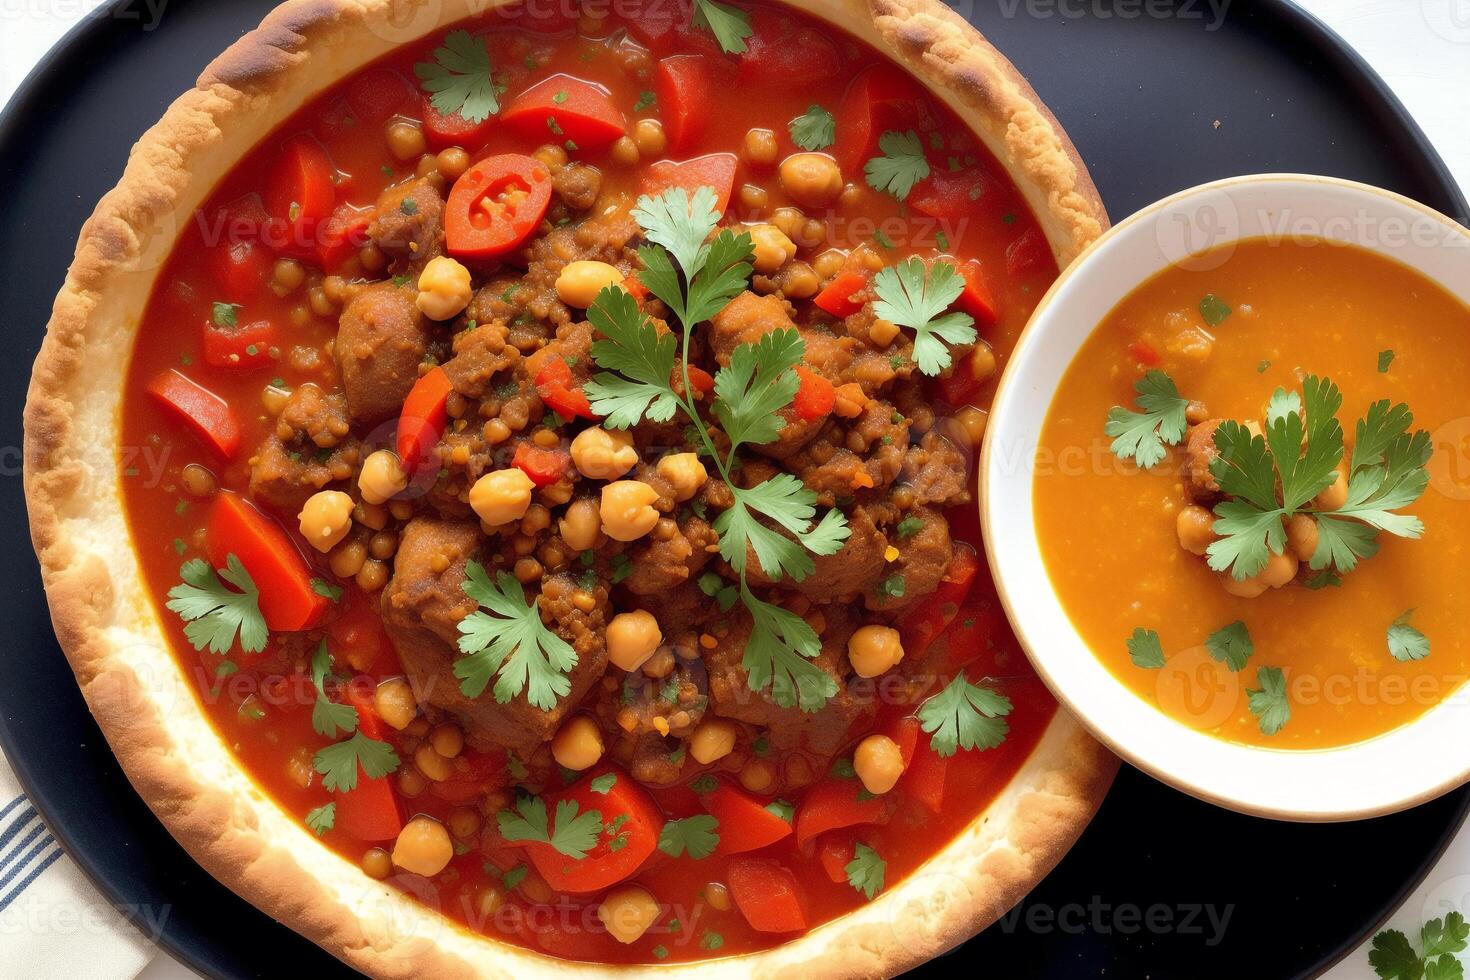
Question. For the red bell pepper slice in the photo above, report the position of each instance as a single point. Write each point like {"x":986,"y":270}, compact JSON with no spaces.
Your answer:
{"x":369,"y":811}
{"x":454,"y":129}
{"x":245,"y":346}
{"x":905,"y":733}
{"x":923,"y":780}
{"x":833,"y":804}
{"x":949,"y":193}
{"x":342,"y":235}
{"x":287,"y":600}
{"x":715,"y":171}
{"x":240,"y":268}
{"x":836,"y":851}
{"x":1145,"y":353}
{"x":496,"y":205}
{"x":976,"y":298}
{"x":209,"y":415}
{"x":815,"y":398}
{"x":784,"y":52}
{"x":880,"y":98}
{"x":566,"y":108}
{"x":767,"y":894}
{"x":839,"y":297}
{"x":543,"y":466}
{"x":603,"y":866}
{"x":685,"y":89}
{"x":744,"y":822}
{"x":924,"y":623}
{"x":559,"y":390}
{"x":421,"y":422}
{"x":1028,"y":255}
{"x":377,"y":95}
{"x":299,"y":196}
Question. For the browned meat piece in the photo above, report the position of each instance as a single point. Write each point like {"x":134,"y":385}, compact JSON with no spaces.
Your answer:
{"x":312,"y":415}
{"x":864,"y":454}
{"x":422,"y":608}
{"x":671,"y":705}
{"x":572,"y":344}
{"x":659,"y":566}
{"x":1199,"y":452}
{"x":578,"y":185}
{"x":822,"y":732}
{"x":679,"y":610}
{"x":285,"y":478}
{"x":922,"y":558}
{"x":853,"y":571}
{"x":479,"y":355}
{"x":937,"y":471}
{"x":657,"y":761}
{"x":381,"y":341}
{"x":745,"y":320}
{"x":409,"y":223}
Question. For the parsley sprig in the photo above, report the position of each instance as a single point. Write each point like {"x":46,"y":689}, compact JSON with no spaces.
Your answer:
{"x":901,"y":165}
{"x":1141,"y":436}
{"x":1393,"y":958}
{"x":339,"y":763}
{"x":695,"y":276}
{"x":513,"y":643}
{"x":327,"y":717}
{"x":965,"y":716}
{"x":572,"y":833}
{"x":729,"y":25}
{"x":213,"y":614}
{"x":911,"y":296}
{"x":866,"y":870}
{"x":697,"y":835}
{"x":459,"y":78}
{"x":815,"y":129}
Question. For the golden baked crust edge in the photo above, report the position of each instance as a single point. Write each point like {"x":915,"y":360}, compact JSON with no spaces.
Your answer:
{"x":148,"y":709}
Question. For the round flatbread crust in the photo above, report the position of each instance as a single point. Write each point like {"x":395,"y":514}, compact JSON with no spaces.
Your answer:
{"x":150,"y":711}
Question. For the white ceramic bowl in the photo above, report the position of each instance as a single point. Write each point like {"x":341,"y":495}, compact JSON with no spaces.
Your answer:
{"x":1405,"y":767}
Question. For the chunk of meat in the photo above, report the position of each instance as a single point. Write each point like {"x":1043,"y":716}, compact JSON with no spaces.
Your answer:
{"x":381,"y":341}
{"x":479,"y":355}
{"x":1199,"y":452}
{"x":745,"y":320}
{"x":312,"y":415}
{"x":937,"y":471}
{"x":409,"y":222}
{"x":422,"y":608}
{"x":661,"y":565}
{"x":285,"y":478}
{"x":578,"y":185}
{"x":664,"y":706}
{"x":853,"y":571}
{"x":922,"y":558}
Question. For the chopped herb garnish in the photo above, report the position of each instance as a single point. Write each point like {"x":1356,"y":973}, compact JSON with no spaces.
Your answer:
{"x":1393,"y":958}
{"x":326,"y":589}
{"x":910,"y":526}
{"x":865,"y":870}
{"x":1213,"y":309}
{"x":965,"y":716}
{"x":815,"y":129}
{"x":781,"y":808}
{"x":328,"y":717}
{"x":729,"y":25}
{"x":574,"y":833}
{"x":1145,"y":650}
{"x":510,"y":640}
{"x":339,"y":763}
{"x":696,"y":835}
{"x":322,"y":818}
{"x":1142,"y":436}
{"x":1405,"y":642}
{"x":1385,"y":360}
{"x":901,"y":166}
{"x":712,"y":941}
{"x":226,"y":315}
{"x":1269,"y":703}
{"x":603,"y":784}
{"x":514,"y":877}
{"x":646,"y":100}
{"x":212,"y":613}
{"x":459,"y":78}
{"x":912,"y":297}
{"x":1231,"y":646}
{"x":893,"y":587}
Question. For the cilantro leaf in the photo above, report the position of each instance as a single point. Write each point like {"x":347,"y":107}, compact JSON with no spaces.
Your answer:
{"x":1213,"y":309}
{"x":1406,"y":643}
{"x":458,"y":80}
{"x":697,"y":835}
{"x":1385,"y":361}
{"x":327,"y":716}
{"x":574,"y":834}
{"x":778,"y":654}
{"x":1248,"y":537}
{"x":1141,"y":436}
{"x":1231,"y":645}
{"x":815,"y":129}
{"x":603,"y":784}
{"x":901,"y":166}
{"x":326,"y":589}
{"x":783,"y":809}
{"x":1393,"y":958}
{"x":722,"y":276}
{"x":965,"y":715}
{"x":1269,"y":703}
{"x":729,"y":25}
{"x":513,"y":643}
{"x":338,"y":763}
{"x":225,"y":315}
{"x":785,"y":500}
{"x":1306,"y":474}
{"x":1145,"y":650}
{"x":1444,"y":968}
{"x":865,"y":871}
{"x":680,"y":223}
{"x":1447,"y":935}
{"x":910,"y":298}
{"x":1342,"y":544}
{"x":643,"y":359}
{"x":758,"y":383}
{"x":322,"y":819}
{"x":212,"y":613}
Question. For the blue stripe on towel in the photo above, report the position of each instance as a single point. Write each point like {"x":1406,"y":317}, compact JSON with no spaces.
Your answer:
{"x":26,"y":881}
{"x":15,"y":851}
{"x":12,"y":805}
{"x":24,"y":817}
{"x":37,"y":848}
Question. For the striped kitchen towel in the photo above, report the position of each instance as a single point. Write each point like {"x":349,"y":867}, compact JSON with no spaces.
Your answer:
{"x":53,"y":923}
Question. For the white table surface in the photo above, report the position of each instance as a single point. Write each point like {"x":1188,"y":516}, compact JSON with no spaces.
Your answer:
{"x":1420,"y":47}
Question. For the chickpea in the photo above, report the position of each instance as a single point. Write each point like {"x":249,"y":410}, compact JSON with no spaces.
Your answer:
{"x":464,"y":822}
{"x":718,"y":896}
{"x":289,"y":275}
{"x":423,"y":847}
{"x":581,"y":281}
{"x":791,"y":221}
{"x":632,"y":637}
{"x":581,"y":525}
{"x":874,"y":650}
{"x":712,"y":740}
{"x":650,"y":137}
{"x":433,"y":765}
{"x":447,"y":740}
{"x":882,"y":333}
{"x":627,"y":510}
{"x":758,"y":776}
{"x":326,"y":519}
{"x":411,"y":782}
{"x":552,"y":155}
{"x":1249,"y":588}
{"x":1280,"y":570}
{"x":406,"y":140}
{"x":685,"y":473}
{"x":981,"y":362}
{"x":974,"y":421}
{"x":624,"y":152}
{"x":761,"y":147}
{"x":600,"y":454}
{"x":395,"y":702}
{"x":879,"y":763}
{"x":627,"y":912}
{"x":372,"y":576}
{"x":501,"y":497}
{"x":1196,"y":529}
{"x":578,"y":745}
{"x":1301,"y":534}
{"x":376,"y":863}
{"x":812,"y":179}
{"x":382,"y":477}
{"x":1336,"y":494}
{"x":453,"y":162}
{"x":772,"y":248}
{"x":347,"y":560}
{"x":800,"y":281}
{"x":197,"y":481}
{"x":754,"y":197}
{"x":444,"y":289}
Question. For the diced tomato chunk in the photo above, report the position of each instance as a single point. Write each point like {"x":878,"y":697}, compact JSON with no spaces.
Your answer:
{"x":880,"y":98}
{"x":245,"y":346}
{"x":209,"y":415}
{"x":560,"y":391}
{"x":976,"y":298}
{"x":378,"y":95}
{"x":744,"y":822}
{"x":421,"y":422}
{"x":566,"y":108}
{"x":716,"y":171}
{"x":603,"y":866}
{"x":240,"y":268}
{"x":816,"y":396}
{"x":924,"y":622}
{"x":949,"y":193}
{"x":685,"y":89}
{"x":369,"y":811}
{"x":287,"y":600}
{"x":1145,"y":353}
{"x":836,"y":851}
{"x":767,"y":894}
{"x":836,"y":803}
{"x":343,"y":235}
{"x":785,"y":52}
{"x":839,"y":298}
{"x":543,"y":466}
{"x":924,"y":778}
{"x":299,"y":197}
{"x":454,"y":129}
{"x":1029,"y":255}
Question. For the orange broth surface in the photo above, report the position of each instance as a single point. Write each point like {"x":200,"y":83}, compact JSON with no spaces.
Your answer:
{"x":1107,"y":529}
{"x":266,"y":719}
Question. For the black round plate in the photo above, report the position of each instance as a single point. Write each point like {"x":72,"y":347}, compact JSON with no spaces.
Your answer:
{"x":1161,"y":885}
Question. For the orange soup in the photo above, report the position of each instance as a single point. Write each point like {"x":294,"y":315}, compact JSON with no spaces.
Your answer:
{"x":1267,"y":594}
